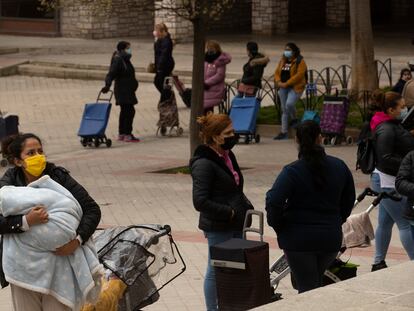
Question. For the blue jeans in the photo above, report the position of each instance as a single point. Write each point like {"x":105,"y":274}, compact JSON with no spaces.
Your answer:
{"x":210,"y":292}
{"x":390,"y":212}
{"x":288,"y":98}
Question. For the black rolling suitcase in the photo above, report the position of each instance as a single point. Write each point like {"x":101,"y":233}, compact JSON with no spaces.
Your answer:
{"x":242,"y":271}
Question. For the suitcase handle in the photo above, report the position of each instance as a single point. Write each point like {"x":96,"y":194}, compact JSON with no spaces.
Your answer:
{"x":99,"y":98}
{"x":259,"y":230}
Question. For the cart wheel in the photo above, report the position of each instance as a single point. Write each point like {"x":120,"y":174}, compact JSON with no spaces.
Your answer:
{"x":4,"y":162}
{"x":96,"y":142}
{"x":333,"y":141}
{"x":257,"y":138}
{"x":349,"y":140}
{"x":247,"y":139}
{"x":180,"y":131}
{"x":163,"y":131}
{"x":108,"y":143}
{"x":325,"y":141}
{"x":84,"y":142}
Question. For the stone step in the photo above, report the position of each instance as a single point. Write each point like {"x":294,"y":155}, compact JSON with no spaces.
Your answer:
{"x":4,"y":51}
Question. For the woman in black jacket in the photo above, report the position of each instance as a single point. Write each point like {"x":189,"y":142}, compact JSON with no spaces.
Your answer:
{"x":30,"y":165}
{"x":217,"y":190}
{"x":405,"y":75}
{"x":164,"y":62}
{"x":126,"y":84}
{"x":307,"y":205}
{"x":392,"y":143}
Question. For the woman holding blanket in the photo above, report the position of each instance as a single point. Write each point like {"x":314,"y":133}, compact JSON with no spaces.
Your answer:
{"x":80,"y":216}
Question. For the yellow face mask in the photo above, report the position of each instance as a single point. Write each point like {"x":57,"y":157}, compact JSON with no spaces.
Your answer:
{"x":35,"y":165}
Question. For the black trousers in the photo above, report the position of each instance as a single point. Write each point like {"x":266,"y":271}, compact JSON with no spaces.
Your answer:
{"x":307,"y":268}
{"x":126,"y":117}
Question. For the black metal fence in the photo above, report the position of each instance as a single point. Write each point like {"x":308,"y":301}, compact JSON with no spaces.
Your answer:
{"x":320,"y":83}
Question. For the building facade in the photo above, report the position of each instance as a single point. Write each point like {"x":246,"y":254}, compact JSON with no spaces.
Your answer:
{"x":128,"y":18}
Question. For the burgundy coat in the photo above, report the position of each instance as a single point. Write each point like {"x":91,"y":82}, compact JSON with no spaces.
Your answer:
{"x":214,"y":75}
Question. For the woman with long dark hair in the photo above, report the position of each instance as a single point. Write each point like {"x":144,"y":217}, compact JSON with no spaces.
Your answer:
{"x":392,"y":144}
{"x":307,"y":205}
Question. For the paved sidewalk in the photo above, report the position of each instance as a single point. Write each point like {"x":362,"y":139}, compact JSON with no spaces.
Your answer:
{"x":120,"y":178}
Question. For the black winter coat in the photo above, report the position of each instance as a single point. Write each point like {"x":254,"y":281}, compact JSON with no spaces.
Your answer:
{"x":399,"y":86}
{"x":392,"y":143}
{"x":305,"y":217}
{"x":404,"y":183}
{"x":126,"y":84}
{"x":215,"y":192}
{"x":253,"y":70}
{"x":164,"y":61}
{"x":91,"y":211}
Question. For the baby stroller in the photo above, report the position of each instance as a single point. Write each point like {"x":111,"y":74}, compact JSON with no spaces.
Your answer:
{"x":141,"y":257}
{"x":339,"y":270}
{"x":167,"y":107}
{"x":333,"y":119}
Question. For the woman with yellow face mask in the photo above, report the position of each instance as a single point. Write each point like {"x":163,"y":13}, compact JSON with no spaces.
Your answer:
{"x":29,"y":165}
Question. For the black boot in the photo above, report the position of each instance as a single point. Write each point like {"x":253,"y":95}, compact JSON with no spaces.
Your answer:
{"x":379,"y":266}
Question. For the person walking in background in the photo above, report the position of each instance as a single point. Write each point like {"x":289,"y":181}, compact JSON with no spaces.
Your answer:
{"x":164,"y":62}
{"x":217,"y":190}
{"x":307,"y":205}
{"x":126,"y":84}
{"x":251,"y":80}
{"x":405,"y":76}
{"x":392,"y":143}
{"x":290,"y":79}
{"x":214,"y":75}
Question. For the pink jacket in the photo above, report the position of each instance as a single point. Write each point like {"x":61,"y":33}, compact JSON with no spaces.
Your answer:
{"x":214,"y":75}
{"x":378,"y":118}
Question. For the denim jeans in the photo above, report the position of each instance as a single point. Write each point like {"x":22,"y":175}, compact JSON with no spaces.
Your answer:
{"x":308,"y":268}
{"x":390,"y":212}
{"x":288,"y":98}
{"x":210,"y":292}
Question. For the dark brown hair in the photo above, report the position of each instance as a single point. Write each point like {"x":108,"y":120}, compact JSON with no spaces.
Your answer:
{"x":387,"y":100}
{"x":212,"y":125}
{"x":14,"y":144}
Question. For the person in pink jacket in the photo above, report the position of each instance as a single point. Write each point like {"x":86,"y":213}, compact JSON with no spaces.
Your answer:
{"x":214,"y":75}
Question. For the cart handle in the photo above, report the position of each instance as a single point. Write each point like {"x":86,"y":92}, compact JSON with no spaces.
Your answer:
{"x":155,"y":238}
{"x":250,"y":229}
{"x":99,"y":98}
{"x":367,"y":191}
{"x":393,"y":195}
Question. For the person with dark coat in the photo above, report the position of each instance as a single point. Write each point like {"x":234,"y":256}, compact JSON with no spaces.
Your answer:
{"x":217,"y":190}
{"x":307,"y":205}
{"x":164,"y":61}
{"x":404,"y":184}
{"x":405,"y":76}
{"x":126,"y":84}
{"x":30,"y":164}
{"x":392,"y":143}
{"x":254,"y":68}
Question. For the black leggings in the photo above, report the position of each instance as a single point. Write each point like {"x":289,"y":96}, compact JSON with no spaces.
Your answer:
{"x":126,"y":117}
{"x":307,"y":268}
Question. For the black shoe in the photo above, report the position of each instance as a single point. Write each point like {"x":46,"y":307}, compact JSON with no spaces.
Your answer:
{"x":281,"y":136}
{"x":294,"y":123}
{"x":379,"y":266}
{"x":163,"y":130}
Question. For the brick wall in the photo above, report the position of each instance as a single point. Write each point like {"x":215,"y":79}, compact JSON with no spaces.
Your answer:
{"x":126,"y":19}
{"x":270,"y":16}
{"x":337,"y":13}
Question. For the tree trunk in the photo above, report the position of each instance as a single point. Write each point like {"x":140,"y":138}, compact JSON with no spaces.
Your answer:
{"x":364,"y":71}
{"x":197,"y":95}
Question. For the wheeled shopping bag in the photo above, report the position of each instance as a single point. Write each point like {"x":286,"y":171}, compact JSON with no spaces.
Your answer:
{"x":94,"y":122}
{"x":243,"y":114}
{"x":242,"y":274}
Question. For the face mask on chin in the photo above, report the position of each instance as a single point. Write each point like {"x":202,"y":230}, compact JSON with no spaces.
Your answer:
{"x":403,"y":113}
{"x":35,"y":165}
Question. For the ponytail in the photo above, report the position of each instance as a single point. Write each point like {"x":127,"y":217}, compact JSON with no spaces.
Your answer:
{"x":313,"y":153}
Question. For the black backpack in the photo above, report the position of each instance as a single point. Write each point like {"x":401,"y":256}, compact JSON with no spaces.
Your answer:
{"x":366,"y":150}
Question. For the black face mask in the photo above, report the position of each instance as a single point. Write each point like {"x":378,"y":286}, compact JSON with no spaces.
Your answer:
{"x":229,"y":142}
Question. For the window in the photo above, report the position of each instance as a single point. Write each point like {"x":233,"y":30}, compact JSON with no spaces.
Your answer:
{"x":23,"y":9}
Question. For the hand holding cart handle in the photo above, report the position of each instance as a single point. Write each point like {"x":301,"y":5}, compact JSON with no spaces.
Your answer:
{"x":367,"y":191}
{"x":259,"y":230}
{"x":393,"y":195}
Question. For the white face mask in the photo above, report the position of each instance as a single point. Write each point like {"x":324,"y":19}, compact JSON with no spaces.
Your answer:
{"x":403,"y":113}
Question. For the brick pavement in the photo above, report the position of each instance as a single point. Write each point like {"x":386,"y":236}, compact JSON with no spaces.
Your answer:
{"x":119,"y":178}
